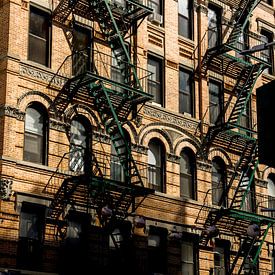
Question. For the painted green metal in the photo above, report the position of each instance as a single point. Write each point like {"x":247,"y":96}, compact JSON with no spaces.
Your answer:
{"x":249,"y":184}
{"x":255,"y":260}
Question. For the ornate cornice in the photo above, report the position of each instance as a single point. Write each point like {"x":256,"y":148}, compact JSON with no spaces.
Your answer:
{"x":41,"y":75}
{"x":171,"y":118}
{"x":10,"y":111}
{"x":139,"y":148}
{"x":202,"y":8}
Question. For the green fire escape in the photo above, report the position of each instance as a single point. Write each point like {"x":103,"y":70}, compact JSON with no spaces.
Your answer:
{"x":116,"y":101}
{"x":230,"y":216}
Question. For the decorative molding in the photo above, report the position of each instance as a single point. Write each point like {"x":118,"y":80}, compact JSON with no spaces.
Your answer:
{"x":204,"y":166}
{"x":10,"y":111}
{"x":173,"y":158}
{"x":202,"y":9}
{"x":57,"y":125}
{"x":260,"y":182}
{"x":5,"y":189}
{"x":139,"y":148}
{"x":173,"y":119}
{"x":137,"y":121}
{"x":101,"y":137}
{"x":47,"y":77}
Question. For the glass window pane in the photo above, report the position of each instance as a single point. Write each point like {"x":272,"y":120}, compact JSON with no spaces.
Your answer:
{"x":183,"y":8}
{"x":39,"y":23}
{"x":187,"y":258}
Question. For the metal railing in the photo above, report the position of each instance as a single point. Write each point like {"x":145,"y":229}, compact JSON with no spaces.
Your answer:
{"x":102,"y":65}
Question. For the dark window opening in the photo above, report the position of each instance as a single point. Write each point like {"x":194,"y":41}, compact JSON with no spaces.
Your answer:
{"x":214,"y":26}
{"x":215,"y":101}
{"x":185,"y":19}
{"x":39,"y":37}
{"x":267,"y":54}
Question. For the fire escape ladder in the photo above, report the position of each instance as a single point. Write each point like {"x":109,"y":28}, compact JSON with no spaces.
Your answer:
{"x":244,"y":186}
{"x":243,"y":90}
{"x":63,"y":10}
{"x":249,"y":250}
{"x":113,"y":112}
{"x":114,"y":34}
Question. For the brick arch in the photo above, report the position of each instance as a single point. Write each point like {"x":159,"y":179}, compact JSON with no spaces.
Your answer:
{"x":267,"y":171}
{"x":159,"y":134}
{"x":185,"y":142}
{"x":219,"y":152}
{"x":80,"y":109}
{"x":34,"y":96}
{"x":130,"y":128}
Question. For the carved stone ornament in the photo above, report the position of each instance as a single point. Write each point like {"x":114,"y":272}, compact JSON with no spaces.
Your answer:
{"x":5,"y":189}
{"x":11,"y":112}
{"x":173,"y":158}
{"x":204,"y":166}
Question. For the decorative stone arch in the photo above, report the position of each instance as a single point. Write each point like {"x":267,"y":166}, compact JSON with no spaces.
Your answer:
{"x":266,"y":172}
{"x":130,"y":128}
{"x":219,"y":152}
{"x":159,"y":134}
{"x":185,"y":142}
{"x":34,"y":96}
{"x":80,"y":109}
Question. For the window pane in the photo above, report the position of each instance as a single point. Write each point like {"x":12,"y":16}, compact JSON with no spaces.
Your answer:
{"x":187,"y":258}
{"x":38,"y":49}
{"x":186,"y":176}
{"x":213,"y":30}
{"x":154,"y":80}
{"x":183,"y":8}
{"x":34,"y":121}
{"x":185,"y":89}
{"x":214,"y":101}
{"x":155,"y":5}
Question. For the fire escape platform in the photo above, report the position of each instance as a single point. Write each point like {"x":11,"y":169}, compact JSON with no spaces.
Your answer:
{"x":235,"y":222}
{"x":130,"y":12}
{"x":229,"y":138}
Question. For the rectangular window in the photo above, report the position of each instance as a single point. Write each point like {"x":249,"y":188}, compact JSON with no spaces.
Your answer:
{"x":215,"y":100}
{"x":186,"y":101}
{"x":31,"y":228}
{"x":185,"y":19}
{"x":81,"y":47}
{"x":155,"y":80}
{"x":267,"y":54}
{"x":187,"y":258}
{"x":214,"y":26}
{"x":157,"y":16}
{"x":39,"y":37}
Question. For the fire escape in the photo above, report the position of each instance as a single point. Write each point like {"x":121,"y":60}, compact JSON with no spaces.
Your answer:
{"x":231,"y":215}
{"x":87,"y":80}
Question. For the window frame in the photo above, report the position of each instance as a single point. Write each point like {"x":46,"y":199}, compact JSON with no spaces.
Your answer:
{"x":44,"y":137}
{"x":48,"y":40}
{"x":158,"y":80}
{"x":189,"y":21}
{"x":185,"y":93}
{"x":267,"y":54}
{"x":218,"y":26}
{"x":215,"y":107}
{"x":156,"y":170}
{"x":192,"y":175}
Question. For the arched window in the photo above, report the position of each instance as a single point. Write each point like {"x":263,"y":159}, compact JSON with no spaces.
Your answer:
{"x":79,"y":144}
{"x":156,"y":165}
{"x":271,"y":193}
{"x":36,"y":134}
{"x":187,"y":174}
{"x":218,"y":180}
{"x":117,"y":170}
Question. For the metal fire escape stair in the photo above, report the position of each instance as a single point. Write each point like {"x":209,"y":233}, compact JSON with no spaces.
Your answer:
{"x":115,"y":107}
{"x":230,"y":216}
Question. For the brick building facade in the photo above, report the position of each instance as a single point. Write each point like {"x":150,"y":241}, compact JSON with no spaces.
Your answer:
{"x":48,"y":229}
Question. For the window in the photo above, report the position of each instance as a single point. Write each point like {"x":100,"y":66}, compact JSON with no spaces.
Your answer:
{"x":215,"y":101}
{"x":187,"y":174}
{"x":79,"y":144}
{"x":267,"y":54}
{"x":155,"y":80}
{"x":218,"y":180}
{"x":189,"y":254}
{"x":36,"y":134}
{"x":157,"y":250}
{"x":156,"y":161}
{"x":221,"y":257}
{"x":32,"y":219}
{"x":157,"y":16}
{"x":214,"y":26}
{"x":271,"y":193}
{"x":39,"y":37}
{"x":117,"y":170}
{"x":81,"y":47}
{"x":186,"y":95}
{"x":248,"y":203}
{"x":185,"y":18}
